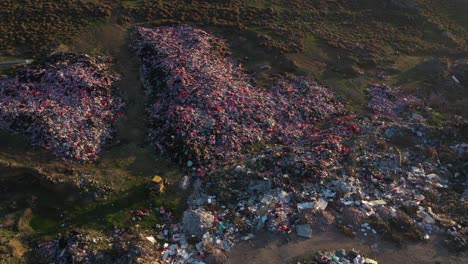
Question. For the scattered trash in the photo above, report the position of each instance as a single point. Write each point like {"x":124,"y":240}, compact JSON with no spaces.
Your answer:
{"x":261,"y":158}
{"x":307,"y":205}
{"x":321,"y":204}
{"x":16,"y":62}
{"x":455,"y":79}
{"x":270,"y":165}
{"x":460,"y":148}
{"x":377,"y":202}
{"x":151,"y":239}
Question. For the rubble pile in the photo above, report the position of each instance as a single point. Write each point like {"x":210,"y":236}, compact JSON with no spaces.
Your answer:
{"x":81,"y":247}
{"x":400,"y":187}
{"x":339,"y":256}
{"x":66,"y":105}
{"x":275,"y":159}
{"x":206,"y":106}
{"x":70,"y":248}
{"x":385,"y":100}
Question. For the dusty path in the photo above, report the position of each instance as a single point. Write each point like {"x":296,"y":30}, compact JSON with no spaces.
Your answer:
{"x":273,"y":249}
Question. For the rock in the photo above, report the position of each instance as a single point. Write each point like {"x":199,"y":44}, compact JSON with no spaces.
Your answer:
{"x":304,"y":231}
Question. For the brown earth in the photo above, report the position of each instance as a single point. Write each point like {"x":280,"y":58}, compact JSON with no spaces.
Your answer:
{"x":269,"y":248}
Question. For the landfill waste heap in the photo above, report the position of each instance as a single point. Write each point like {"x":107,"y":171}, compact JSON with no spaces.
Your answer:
{"x":207,"y":107}
{"x":288,"y":159}
{"x":66,"y":105}
{"x":281,"y":158}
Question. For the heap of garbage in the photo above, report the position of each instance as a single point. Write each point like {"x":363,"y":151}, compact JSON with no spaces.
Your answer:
{"x":66,"y":104}
{"x":288,"y":159}
{"x":281,"y":159}
{"x":206,"y":106}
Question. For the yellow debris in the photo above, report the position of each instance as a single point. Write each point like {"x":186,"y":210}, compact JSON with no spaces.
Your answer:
{"x":157,"y":179}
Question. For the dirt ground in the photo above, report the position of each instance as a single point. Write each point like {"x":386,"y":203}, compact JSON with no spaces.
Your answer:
{"x":269,"y":248}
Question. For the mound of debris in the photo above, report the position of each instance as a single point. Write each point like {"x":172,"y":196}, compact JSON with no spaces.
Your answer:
{"x":207,"y":107}
{"x":80,"y":247}
{"x":276,"y":159}
{"x":66,"y":105}
{"x":340,"y":256}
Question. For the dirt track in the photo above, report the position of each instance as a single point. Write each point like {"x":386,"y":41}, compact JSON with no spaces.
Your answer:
{"x":272,"y":249}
